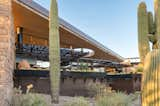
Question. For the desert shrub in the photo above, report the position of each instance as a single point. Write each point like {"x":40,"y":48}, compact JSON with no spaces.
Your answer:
{"x":97,"y":89}
{"x":134,"y":96}
{"x":139,"y":68}
{"x":105,"y":96}
{"x":78,"y":101}
{"x":28,"y":99}
{"x":114,"y":99}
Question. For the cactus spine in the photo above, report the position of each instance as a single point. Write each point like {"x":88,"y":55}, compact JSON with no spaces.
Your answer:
{"x":151,"y":72}
{"x":143,"y":42}
{"x":54,"y":51}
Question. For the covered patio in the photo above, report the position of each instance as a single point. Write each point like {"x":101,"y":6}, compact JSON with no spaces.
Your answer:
{"x":34,"y":20}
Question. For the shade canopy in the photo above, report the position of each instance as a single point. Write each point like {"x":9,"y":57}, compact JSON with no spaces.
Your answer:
{"x":34,"y":20}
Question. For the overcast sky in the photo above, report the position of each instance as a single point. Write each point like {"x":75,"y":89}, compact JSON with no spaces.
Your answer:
{"x":111,"y":22}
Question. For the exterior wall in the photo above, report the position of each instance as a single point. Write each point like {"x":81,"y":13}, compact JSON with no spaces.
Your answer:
{"x":71,"y":86}
{"x":6,"y":52}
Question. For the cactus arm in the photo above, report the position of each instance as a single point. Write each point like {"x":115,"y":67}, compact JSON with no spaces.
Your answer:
{"x":54,"y":51}
{"x":151,"y":24}
{"x":152,"y":38}
{"x":143,"y":41}
{"x":157,"y":16}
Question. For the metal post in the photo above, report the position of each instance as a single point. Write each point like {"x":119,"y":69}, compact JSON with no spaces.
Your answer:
{"x":20,"y":37}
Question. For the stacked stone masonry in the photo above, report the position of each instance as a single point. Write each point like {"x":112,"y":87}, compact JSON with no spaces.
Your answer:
{"x":6,"y":52}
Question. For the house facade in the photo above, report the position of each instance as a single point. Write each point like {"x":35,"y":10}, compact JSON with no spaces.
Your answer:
{"x":34,"y":20}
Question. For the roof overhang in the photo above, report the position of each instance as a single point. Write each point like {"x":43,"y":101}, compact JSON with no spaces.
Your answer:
{"x":34,"y":18}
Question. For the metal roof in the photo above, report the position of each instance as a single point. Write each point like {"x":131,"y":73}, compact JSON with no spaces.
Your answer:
{"x":45,"y":14}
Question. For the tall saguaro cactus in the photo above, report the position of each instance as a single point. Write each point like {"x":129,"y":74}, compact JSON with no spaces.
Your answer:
{"x":54,"y":51}
{"x":143,"y":42}
{"x":151,"y":72}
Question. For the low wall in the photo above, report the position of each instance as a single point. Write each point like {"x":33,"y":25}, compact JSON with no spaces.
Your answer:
{"x":74,"y":83}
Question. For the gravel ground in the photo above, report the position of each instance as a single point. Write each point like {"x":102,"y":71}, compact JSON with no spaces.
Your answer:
{"x":65,"y":99}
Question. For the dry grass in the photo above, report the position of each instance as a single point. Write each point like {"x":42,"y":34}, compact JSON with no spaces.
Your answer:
{"x":103,"y":96}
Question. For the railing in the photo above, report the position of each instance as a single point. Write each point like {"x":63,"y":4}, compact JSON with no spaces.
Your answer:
{"x":42,"y":53}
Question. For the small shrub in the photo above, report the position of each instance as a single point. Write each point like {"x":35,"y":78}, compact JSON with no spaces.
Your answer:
{"x":135,"y":95}
{"x":28,"y":99}
{"x":78,"y":101}
{"x":139,"y":68}
{"x":114,"y":99}
{"x":97,"y":88}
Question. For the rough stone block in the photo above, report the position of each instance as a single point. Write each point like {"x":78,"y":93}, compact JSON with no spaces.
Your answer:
{"x":5,"y":76}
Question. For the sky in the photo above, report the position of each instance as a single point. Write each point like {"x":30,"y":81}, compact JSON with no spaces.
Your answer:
{"x":111,"y":22}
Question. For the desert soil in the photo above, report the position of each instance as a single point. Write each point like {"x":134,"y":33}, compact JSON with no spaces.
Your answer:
{"x":66,"y":99}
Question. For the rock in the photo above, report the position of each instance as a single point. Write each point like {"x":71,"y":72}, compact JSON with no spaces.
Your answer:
{"x":24,"y":64}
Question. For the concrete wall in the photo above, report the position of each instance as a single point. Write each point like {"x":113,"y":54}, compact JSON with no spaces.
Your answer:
{"x":6,"y":52}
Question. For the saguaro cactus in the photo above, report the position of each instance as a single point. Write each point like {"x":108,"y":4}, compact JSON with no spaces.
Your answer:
{"x":143,"y":42}
{"x":151,"y":85}
{"x":54,"y":51}
{"x":151,"y":72}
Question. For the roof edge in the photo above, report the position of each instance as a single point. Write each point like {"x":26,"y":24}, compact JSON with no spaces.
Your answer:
{"x":45,"y":14}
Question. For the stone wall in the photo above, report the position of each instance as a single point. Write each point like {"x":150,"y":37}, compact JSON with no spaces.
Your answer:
{"x":6,"y":52}
{"x":76,"y":86}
